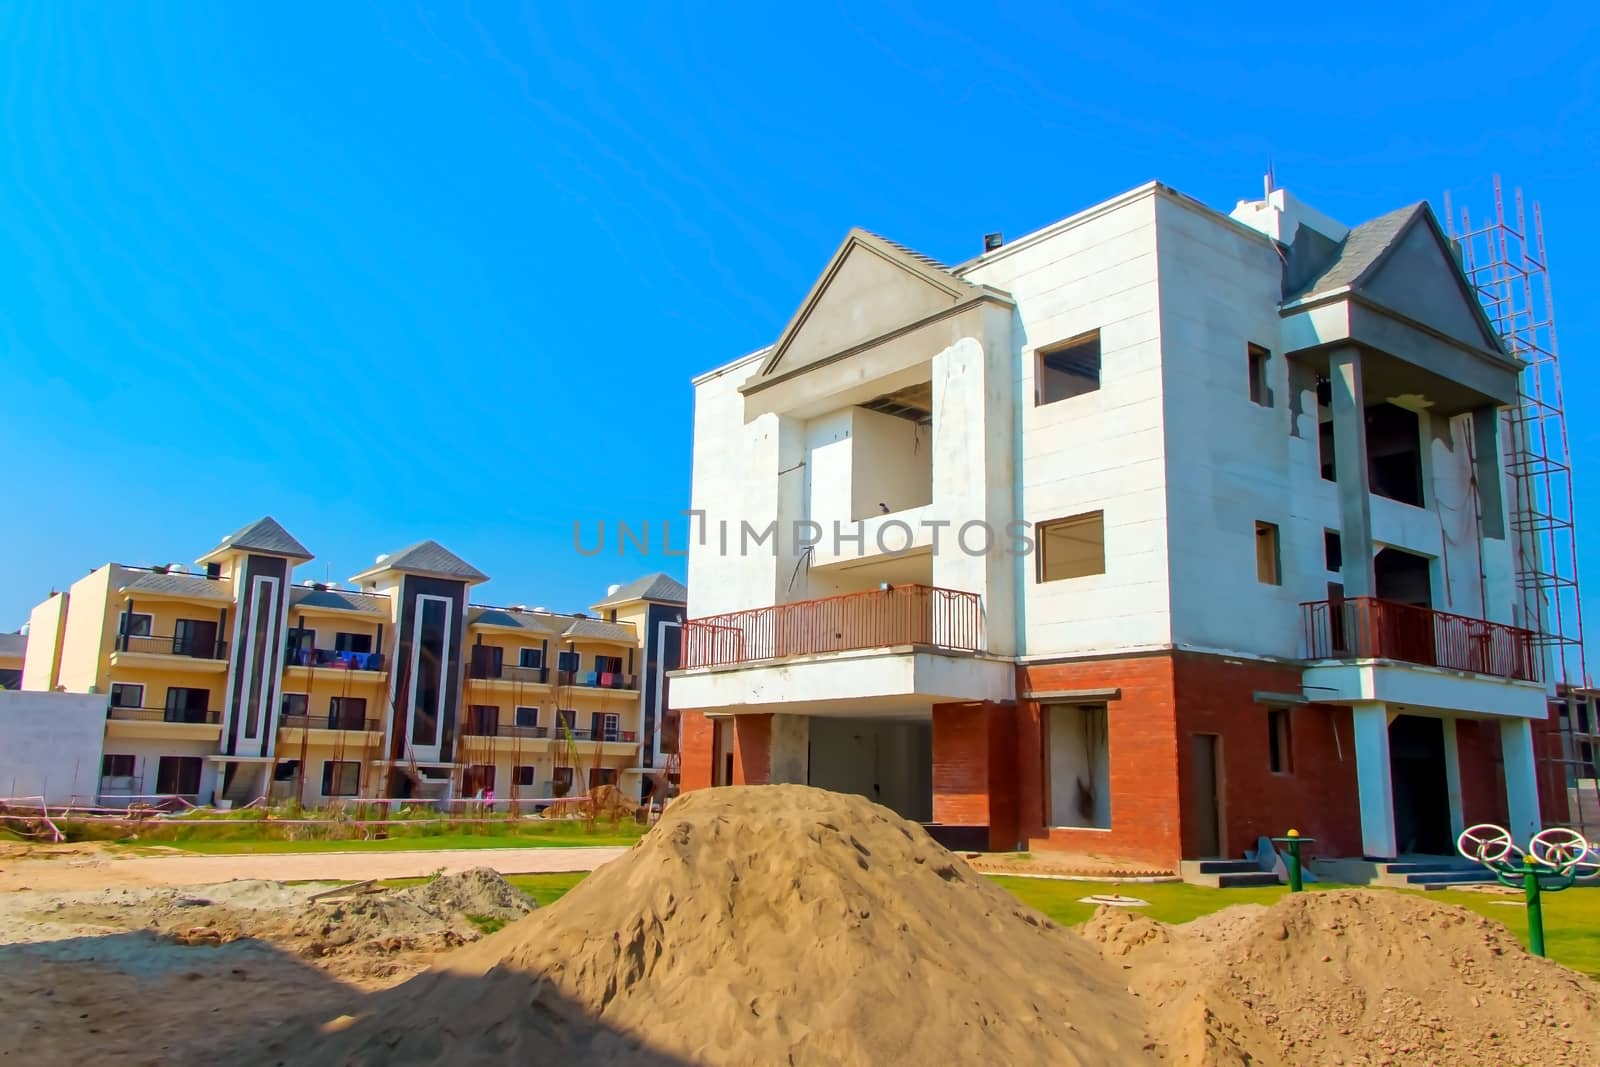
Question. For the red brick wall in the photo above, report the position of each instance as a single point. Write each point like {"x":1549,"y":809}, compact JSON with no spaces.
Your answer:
{"x":1483,"y":780}
{"x":1551,"y":775}
{"x":752,"y":749}
{"x":696,"y":739}
{"x":974,"y":762}
{"x":1143,"y":751}
{"x":1318,"y":797}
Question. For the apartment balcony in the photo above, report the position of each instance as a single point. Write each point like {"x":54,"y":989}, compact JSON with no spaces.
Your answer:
{"x":1365,"y":649}
{"x":168,"y":723}
{"x":348,"y":723}
{"x":170,"y":653}
{"x":509,"y":674}
{"x":598,"y":679}
{"x":896,"y":650}
{"x":329,"y":659}
{"x":513,"y":735}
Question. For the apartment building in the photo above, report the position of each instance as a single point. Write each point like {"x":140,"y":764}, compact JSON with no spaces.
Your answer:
{"x":230,"y":681}
{"x":1153,"y":532}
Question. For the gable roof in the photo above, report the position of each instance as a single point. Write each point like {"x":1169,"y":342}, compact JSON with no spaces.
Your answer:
{"x":600,"y":630}
{"x":868,"y":262}
{"x":658,"y":586}
{"x":267,"y":535}
{"x":338,"y":600}
{"x":1358,"y":265}
{"x":539,"y":622}
{"x":428,"y":558}
{"x":189,"y":586}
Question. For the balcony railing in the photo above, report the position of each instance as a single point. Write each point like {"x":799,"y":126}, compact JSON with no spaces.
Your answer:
{"x":327,"y":657}
{"x":509,"y":672}
{"x":598,"y":679}
{"x":901,"y":615}
{"x":185,"y":715}
{"x":172,"y":646}
{"x":506,"y":730}
{"x":329,"y":722}
{"x":1369,"y":628}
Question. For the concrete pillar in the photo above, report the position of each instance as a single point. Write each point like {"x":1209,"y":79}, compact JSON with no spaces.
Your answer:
{"x":791,"y":750}
{"x":1486,"y":460}
{"x":1522,"y":789}
{"x":1350,"y":460}
{"x":1452,"y":778}
{"x":1373,"y":783}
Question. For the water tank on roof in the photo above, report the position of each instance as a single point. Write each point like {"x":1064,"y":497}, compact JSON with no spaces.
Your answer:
{"x":611,"y":590}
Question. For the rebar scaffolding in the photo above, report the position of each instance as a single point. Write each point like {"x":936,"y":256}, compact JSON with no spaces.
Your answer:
{"x":1506,"y":264}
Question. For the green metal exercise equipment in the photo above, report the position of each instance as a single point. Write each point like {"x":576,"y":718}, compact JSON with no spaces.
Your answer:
{"x":1555,"y":859}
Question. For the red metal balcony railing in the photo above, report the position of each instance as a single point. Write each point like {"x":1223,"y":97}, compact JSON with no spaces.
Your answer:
{"x":901,"y":615}
{"x":1369,"y":628}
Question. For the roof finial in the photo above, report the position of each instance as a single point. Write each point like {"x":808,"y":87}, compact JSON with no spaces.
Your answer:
{"x":1269,"y":179}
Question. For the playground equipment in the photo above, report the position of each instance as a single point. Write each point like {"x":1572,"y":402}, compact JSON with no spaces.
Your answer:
{"x":1555,"y":859}
{"x":1291,"y":843}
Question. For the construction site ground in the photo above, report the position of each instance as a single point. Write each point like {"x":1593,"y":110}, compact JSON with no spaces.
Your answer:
{"x":149,"y":956}
{"x":66,"y":868}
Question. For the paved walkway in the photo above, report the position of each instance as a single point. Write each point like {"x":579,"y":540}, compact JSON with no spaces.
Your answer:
{"x":96,"y":870}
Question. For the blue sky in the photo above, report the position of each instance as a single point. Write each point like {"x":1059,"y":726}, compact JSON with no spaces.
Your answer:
{"x":390,"y":272}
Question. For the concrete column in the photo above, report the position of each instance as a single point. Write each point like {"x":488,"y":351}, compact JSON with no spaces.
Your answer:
{"x":1452,"y":778}
{"x":1350,"y":460}
{"x":791,"y":750}
{"x":1522,"y":790}
{"x":1373,"y":784}
{"x":1486,"y":459}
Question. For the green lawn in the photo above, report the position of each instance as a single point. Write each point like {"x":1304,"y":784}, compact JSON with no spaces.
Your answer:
{"x":560,"y":838}
{"x":1571,"y":918}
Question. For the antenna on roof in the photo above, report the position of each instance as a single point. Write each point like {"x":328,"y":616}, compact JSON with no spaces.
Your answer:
{"x":1269,"y":180}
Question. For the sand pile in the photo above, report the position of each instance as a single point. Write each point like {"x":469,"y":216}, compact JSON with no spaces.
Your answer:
{"x":775,"y":924}
{"x":1352,"y":977}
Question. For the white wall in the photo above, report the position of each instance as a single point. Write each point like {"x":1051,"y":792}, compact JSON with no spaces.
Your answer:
{"x":1079,"y":751}
{"x":892,"y":463}
{"x":1103,"y":450}
{"x":50,"y":744}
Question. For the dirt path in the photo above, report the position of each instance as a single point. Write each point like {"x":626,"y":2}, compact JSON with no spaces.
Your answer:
{"x":94,"y":869}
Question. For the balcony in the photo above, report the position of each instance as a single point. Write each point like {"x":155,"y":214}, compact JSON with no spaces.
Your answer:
{"x":487,"y":670}
{"x":890,"y":652}
{"x":137,"y":648}
{"x":1369,"y":628}
{"x":598,"y":679}
{"x":479,"y":729}
{"x":329,"y":722}
{"x":881,"y":618}
{"x":333,"y":660}
{"x":192,"y":716}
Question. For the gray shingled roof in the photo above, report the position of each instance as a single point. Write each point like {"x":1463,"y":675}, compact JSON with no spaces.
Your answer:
{"x":1360,"y":251}
{"x":264,"y":535}
{"x":191,"y":586}
{"x":13,"y":644}
{"x":604,"y":631}
{"x":338,"y":600}
{"x":658,"y":586}
{"x":428,"y":557}
{"x":539,"y":622}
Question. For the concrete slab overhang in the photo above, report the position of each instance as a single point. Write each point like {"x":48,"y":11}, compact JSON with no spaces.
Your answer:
{"x":881,"y":682}
{"x":1422,"y":689}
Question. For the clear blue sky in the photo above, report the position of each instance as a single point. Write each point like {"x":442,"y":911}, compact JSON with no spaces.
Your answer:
{"x":389,"y":272}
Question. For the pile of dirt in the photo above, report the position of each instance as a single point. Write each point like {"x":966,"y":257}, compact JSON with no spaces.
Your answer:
{"x":1352,"y":977}
{"x":445,"y":912}
{"x":774,"y":924}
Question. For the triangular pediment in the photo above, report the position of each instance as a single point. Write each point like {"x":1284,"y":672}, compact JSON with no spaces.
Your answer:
{"x":1417,"y":276}
{"x":871,"y":288}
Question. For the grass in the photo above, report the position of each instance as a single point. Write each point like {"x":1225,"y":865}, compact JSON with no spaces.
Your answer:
{"x":554,"y":835}
{"x":1571,"y":918}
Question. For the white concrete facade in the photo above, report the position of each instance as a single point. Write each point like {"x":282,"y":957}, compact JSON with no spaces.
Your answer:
{"x":1171,"y":447}
{"x":51,"y":745}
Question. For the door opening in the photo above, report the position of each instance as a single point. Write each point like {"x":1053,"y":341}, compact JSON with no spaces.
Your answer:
{"x":1204,"y":801}
{"x":1421,"y":791}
